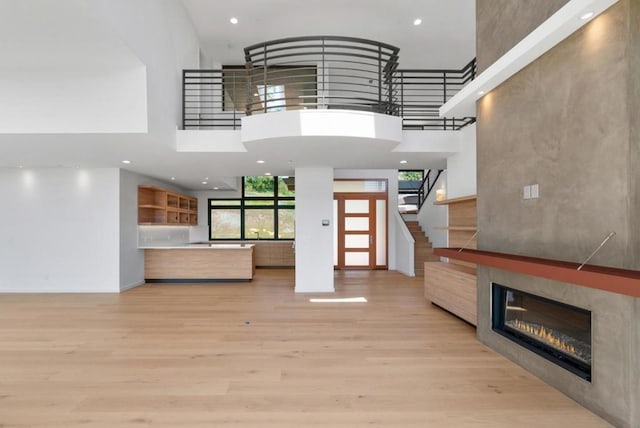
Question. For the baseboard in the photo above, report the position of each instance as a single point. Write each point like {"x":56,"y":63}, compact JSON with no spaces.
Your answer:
{"x":407,"y":273}
{"x":130,"y":286}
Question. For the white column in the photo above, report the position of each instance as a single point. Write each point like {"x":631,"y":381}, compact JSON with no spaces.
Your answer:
{"x":314,"y":238}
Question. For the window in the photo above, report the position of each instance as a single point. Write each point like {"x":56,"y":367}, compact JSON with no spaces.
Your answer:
{"x":286,"y":88}
{"x":274,"y":97}
{"x":266,"y":210}
{"x":409,"y":181}
{"x":234,"y":86}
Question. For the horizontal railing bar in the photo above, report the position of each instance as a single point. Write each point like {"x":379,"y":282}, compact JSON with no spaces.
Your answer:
{"x":259,"y":55}
{"x":334,"y":38}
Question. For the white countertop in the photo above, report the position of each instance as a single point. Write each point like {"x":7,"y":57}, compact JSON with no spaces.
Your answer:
{"x":199,"y":246}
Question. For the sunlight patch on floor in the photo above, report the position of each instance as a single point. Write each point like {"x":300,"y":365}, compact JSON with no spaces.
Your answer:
{"x":340,"y":300}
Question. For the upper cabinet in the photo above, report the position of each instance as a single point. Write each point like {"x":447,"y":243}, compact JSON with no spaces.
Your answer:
{"x":158,"y":206}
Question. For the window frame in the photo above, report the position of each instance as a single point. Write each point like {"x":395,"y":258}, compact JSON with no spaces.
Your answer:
{"x":242,"y":207}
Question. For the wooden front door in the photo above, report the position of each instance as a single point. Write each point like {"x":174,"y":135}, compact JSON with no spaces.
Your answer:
{"x":358,"y":230}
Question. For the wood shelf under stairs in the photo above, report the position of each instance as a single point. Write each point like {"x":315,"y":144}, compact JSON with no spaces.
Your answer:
{"x":423,"y":250}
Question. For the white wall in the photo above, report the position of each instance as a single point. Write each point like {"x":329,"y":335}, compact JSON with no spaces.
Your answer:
{"x":60,"y":230}
{"x":458,"y":180}
{"x":461,"y":168}
{"x":161,"y":34}
{"x":323,"y":123}
{"x":64,"y":71}
{"x":314,"y":242}
{"x":73,"y":101}
{"x":391,"y":175}
{"x":432,"y":216}
{"x":404,"y":246}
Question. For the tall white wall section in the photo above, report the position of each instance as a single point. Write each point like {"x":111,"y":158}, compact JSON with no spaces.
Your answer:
{"x":60,"y":230}
{"x":314,"y":240}
{"x":461,"y":167}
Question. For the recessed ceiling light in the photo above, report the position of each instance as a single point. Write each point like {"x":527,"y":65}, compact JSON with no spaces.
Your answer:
{"x":587,"y":16}
{"x":173,"y":178}
{"x":206,"y":178}
{"x":260,"y":161}
{"x":204,"y":182}
{"x":418,"y":21}
{"x":267,"y":173}
{"x":126,"y":162}
{"x":215,"y":188}
{"x":403,"y":161}
{"x":233,"y":20}
{"x":255,"y":94}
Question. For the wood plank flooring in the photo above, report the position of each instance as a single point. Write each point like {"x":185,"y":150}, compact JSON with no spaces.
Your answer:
{"x":257,"y":355}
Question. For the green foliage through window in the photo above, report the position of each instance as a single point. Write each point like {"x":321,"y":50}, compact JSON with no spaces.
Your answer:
{"x":410,"y":175}
{"x":265,"y":211}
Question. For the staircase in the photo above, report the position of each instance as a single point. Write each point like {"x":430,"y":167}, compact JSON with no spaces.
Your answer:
{"x":423,"y":251}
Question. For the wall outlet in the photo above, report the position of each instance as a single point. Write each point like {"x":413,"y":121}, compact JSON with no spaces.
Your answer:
{"x":526,"y":192}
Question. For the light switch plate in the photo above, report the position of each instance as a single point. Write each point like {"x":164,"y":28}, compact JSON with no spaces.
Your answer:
{"x":526,"y":192}
{"x":535,"y":191}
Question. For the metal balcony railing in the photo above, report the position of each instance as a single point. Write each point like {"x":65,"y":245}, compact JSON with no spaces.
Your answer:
{"x":423,"y":92}
{"x":321,"y":72}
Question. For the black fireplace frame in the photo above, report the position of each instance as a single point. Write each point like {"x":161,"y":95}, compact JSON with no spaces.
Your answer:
{"x":566,"y":361}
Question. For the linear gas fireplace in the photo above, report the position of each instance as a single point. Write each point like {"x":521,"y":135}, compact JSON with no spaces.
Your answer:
{"x":558,"y":332}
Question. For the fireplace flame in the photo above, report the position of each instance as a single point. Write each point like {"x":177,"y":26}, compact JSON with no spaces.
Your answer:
{"x":545,"y":336}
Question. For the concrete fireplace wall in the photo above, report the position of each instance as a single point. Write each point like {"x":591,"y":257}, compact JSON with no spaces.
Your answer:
{"x":613,"y":390}
{"x":570,"y":123}
{"x":507,"y":22}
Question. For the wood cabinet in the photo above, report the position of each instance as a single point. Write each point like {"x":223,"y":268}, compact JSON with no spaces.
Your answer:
{"x":157,"y":206}
{"x":453,"y":285}
{"x":196,"y":264}
{"x":453,"y":288}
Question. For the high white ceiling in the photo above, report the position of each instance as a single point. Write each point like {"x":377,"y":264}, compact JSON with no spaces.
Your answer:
{"x":445,"y":39}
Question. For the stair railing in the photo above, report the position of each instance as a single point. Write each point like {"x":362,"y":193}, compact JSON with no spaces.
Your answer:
{"x":428,"y":183}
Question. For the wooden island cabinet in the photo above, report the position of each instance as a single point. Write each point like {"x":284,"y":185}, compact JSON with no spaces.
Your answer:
{"x":199,"y":263}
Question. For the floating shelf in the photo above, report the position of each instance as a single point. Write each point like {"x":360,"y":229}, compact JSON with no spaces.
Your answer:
{"x":614,"y":280}
{"x":456,"y":200}
{"x":457,"y":228}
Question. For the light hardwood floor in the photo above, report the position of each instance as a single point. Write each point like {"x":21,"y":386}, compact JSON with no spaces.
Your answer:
{"x":257,"y":355}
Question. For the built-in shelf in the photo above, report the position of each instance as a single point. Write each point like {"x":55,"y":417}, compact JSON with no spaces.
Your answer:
{"x":158,"y":206}
{"x":614,"y":280}
{"x":462,"y":221}
{"x":456,"y":200}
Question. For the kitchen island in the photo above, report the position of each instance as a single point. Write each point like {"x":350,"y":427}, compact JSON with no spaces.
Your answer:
{"x":199,"y":263}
